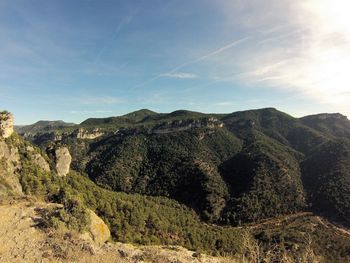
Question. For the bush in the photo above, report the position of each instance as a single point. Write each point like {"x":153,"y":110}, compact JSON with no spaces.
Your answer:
{"x":72,"y":216}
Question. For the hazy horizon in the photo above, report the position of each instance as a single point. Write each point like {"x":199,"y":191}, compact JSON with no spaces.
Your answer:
{"x":71,"y":60}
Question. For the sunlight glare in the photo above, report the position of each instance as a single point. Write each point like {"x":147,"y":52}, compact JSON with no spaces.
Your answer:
{"x":329,"y":53}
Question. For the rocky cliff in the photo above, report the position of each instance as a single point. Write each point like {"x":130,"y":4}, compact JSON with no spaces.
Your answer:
{"x":184,"y":125}
{"x":6,"y":124}
{"x":63,"y":160}
{"x":9,"y":166}
{"x":85,"y":134}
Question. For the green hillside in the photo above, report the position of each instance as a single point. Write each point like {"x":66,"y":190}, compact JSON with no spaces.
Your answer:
{"x":326,"y":176}
{"x":241,"y":167}
{"x":189,"y":179}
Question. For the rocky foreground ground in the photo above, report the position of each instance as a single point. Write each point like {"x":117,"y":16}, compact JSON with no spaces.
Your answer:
{"x":21,"y":240}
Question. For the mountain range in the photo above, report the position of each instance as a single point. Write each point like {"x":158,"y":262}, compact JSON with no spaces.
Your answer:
{"x":232,"y":170}
{"x":242,"y":167}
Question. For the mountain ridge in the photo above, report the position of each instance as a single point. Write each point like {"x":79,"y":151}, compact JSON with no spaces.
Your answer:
{"x":163,"y":154}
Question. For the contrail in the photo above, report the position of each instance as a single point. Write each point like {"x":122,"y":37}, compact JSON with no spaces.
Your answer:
{"x":194,"y":61}
{"x":123,"y":23}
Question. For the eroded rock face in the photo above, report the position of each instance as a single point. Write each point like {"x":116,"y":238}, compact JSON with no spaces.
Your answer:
{"x":63,"y":160}
{"x":38,"y":159}
{"x":184,"y":125}
{"x":11,"y":163}
{"x":6,"y":124}
{"x":84,"y":134}
{"x":41,"y":162}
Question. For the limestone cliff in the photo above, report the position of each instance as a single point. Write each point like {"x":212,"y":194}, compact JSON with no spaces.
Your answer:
{"x":63,"y":160}
{"x":6,"y":124}
{"x":9,"y":165}
{"x":85,"y":134}
{"x":14,"y":155}
{"x":183,"y":125}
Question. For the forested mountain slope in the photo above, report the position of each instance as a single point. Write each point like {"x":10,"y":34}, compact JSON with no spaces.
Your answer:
{"x":241,"y":167}
{"x":189,"y":178}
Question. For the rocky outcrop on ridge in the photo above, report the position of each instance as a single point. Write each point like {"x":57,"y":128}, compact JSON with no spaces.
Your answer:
{"x":183,"y":125}
{"x":63,"y":160}
{"x":6,"y":124}
{"x":85,"y":134}
{"x":9,"y":165}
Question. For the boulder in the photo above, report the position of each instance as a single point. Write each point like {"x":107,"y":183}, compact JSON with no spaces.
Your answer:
{"x":98,"y":232}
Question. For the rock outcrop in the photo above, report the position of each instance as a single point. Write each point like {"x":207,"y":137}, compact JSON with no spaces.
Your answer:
{"x":9,"y":164}
{"x":38,"y":159}
{"x":41,"y":162}
{"x":184,"y":125}
{"x":84,"y":134}
{"x":63,"y":160}
{"x":6,"y":124}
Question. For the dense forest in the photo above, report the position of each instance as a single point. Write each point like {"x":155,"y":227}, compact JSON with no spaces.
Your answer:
{"x":241,"y":167}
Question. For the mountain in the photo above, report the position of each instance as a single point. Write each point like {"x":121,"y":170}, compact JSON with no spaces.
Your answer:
{"x":191,"y":178}
{"x":335,"y":125}
{"x":127,"y":119}
{"x":41,"y":127}
{"x":326,"y":176}
{"x":245,"y":166}
{"x":56,"y":214}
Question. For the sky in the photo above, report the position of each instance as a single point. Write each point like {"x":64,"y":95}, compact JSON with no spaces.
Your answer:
{"x":71,"y":60}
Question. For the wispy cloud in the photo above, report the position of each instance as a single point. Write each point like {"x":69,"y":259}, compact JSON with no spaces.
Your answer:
{"x":215,"y":52}
{"x":268,"y":40}
{"x":224,"y":104}
{"x":125,"y":21}
{"x":197,"y":60}
{"x":84,"y":112}
{"x":310,"y":55}
{"x":180,"y":75}
{"x":100,"y":100}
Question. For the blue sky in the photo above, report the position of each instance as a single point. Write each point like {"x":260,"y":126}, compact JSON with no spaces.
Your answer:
{"x":70,"y":60}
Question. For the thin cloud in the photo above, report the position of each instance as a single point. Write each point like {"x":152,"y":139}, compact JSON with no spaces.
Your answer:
{"x":197,"y":60}
{"x":218,"y":51}
{"x":180,"y":75}
{"x":224,"y":104}
{"x":281,"y":37}
{"x":100,"y":100}
{"x":310,"y":55}
{"x":83,"y":112}
{"x":120,"y":26}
